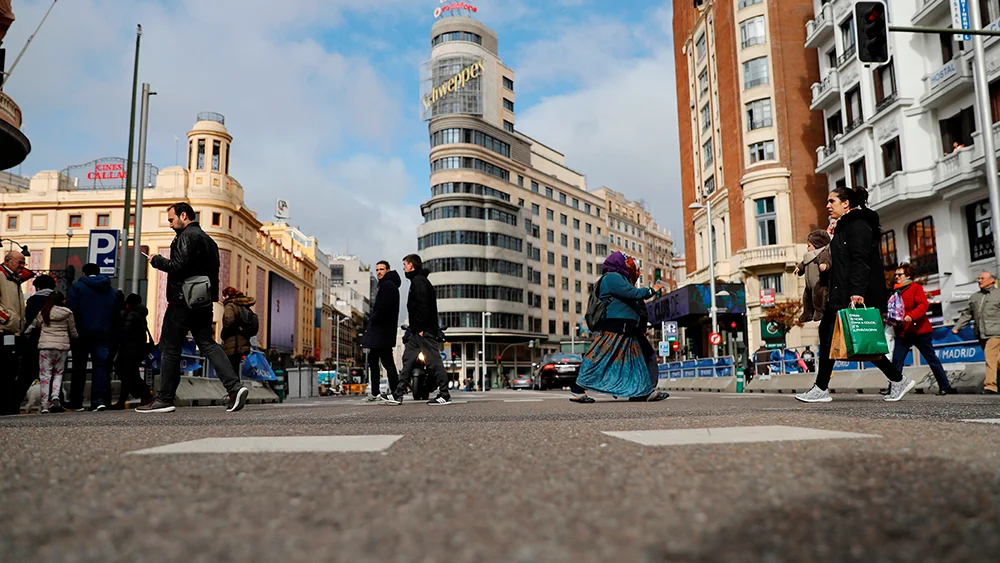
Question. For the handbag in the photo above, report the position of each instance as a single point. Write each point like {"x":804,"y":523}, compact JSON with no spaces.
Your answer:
{"x":255,"y":366}
{"x":197,"y":292}
{"x":862,"y":335}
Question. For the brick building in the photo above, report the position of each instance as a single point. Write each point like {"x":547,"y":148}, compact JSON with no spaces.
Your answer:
{"x":746,"y":73}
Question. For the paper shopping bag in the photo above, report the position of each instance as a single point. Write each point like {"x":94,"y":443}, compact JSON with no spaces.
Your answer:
{"x":864,"y":332}
{"x":838,"y":346}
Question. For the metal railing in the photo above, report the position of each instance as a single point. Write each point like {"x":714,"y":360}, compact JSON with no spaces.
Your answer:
{"x":886,"y":102}
{"x":858,"y":122}
{"x":847,"y":55}
{"x":723,"y":366}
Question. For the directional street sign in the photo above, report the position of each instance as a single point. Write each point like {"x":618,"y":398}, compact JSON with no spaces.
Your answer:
{"x":103,"y":250}
{"x":715,"y":339}
{"x":670,"y":331}
{"x":664,"y":348}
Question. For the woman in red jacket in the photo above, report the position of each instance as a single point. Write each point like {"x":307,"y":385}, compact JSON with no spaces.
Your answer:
{"x":916,"y":329}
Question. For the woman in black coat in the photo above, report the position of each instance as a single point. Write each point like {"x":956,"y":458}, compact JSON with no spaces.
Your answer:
{"x":132,"y":350}
{"x":380,"y":332}
{"x":855,"y":278}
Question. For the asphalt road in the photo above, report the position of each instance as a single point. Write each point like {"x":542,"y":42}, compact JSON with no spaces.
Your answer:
{"x":507,"y":477}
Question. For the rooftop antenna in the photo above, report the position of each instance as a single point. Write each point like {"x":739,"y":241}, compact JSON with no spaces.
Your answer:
{"x":25,"y":48}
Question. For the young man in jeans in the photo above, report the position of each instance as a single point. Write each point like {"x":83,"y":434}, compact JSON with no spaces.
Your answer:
{"x":421,"y":304}
{"x":192,"y":253}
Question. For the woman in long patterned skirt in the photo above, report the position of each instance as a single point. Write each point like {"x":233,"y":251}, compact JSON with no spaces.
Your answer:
{"x":620,"y":362}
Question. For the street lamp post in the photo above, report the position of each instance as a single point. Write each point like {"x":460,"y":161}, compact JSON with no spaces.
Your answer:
{"x":69,"y":241}
{"x":486,"y":315}
{"x":711,"y":268}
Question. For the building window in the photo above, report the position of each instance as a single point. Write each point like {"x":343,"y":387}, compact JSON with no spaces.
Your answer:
{"x":710,"y":185}
{"x":562,"y":198}
{"x":564,"y":240}
{"x":767,"y":222}
{"x":576,"y":243}
{"x":548,"y":193}
{"x":706,"y":117}
{"x":885,"y":83}
{"x":575,"y":203}
{"x":759,"y":114}
{"x":579,"y":306}
{"x":201,"y":154}
{"x":565,"y":309}
{"x":576,"y":224}
{"x":887,"y":248}
{"x":457,"y":162}
{"x":578,"y":287}
{"x":552,"y":280}
{"x":457,"y":36}
{"x":891,"y":159}
{"x":923,"y":248}
{"x":551,"y":258}
{"x":552,"y":325}
{"x":230,"y":223}
{"x":12,"y":222}
{"x":564,"y":260}
{"x":587,"y":228}
{"x":216,"y":219}
{"x":590,"y":248}
{"x":520,"y":203}
{"x":590,"y":268}
{"x":576,"y":264}
{"x":847,"y":36}
{"x":744,"y":3}
{"x":834,"y":127}
{"x":700,"y":47}
{"x":508,"y":83}
{"x":76,"y":221}
{"x":534,"y":186}
{"x":855,"y":112}
{"x":552,"y":306}
{"x":979,"y":220}
{"x":990,"y":10}
{"x":752,"y":31}
{"x":104,"y":220}
{"x":957,"y":130}
{"x":508,"y":105}
{"x":707,"y":154}
{"x":859,"y":174}
{"x":563,"y":219}
{"x":831,"y":58}
{"x":508,"y":126}
{"x":703,"y":82}
{"x":535,"y":209}
{"x":755,"y":73}
{"x":216,"y":149}
{"x":550,"y":215}
{"x":472,"y":137}
{"x":565,"y":284}
{"x":772,"y":281}
{"x":550,"y":235}
{"x":762,"y":151}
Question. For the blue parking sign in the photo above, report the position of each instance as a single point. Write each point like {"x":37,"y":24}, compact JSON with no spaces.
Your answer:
{"x":103,"y":250}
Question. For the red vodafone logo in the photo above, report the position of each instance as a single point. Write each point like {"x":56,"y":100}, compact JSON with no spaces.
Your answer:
{"x":439,"y":11}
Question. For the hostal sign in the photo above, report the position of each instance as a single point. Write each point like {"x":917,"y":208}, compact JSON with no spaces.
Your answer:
{"x":457,"y":82}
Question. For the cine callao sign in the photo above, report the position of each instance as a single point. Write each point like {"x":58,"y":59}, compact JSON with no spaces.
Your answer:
{"x":439,"y":11}
{"x":457,"y":82}
{"x":107,"y":172}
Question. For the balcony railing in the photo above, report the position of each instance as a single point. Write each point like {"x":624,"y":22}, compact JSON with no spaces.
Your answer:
{"x":819,"y":27}
{"x":886,"y":102}
{"x":851,"y":126}
{"x":846,"y":56}
{"x":9,"y":111}
{"x":822,"y":89}
{"x":766,"y":255}
{"x":829,"y":150}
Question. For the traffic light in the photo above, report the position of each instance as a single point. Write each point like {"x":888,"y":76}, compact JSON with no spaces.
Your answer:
{"x":872,"y":32}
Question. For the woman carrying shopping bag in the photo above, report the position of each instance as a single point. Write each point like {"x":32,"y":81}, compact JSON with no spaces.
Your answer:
{"x":620,"y":362}
{"x":856,"y":280}
{"x":57,"y":328}
{"x":915,"y":329}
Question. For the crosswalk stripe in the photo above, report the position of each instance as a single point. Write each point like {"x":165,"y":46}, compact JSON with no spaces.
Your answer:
{"x":276,"y":444}
{"x":983,"y":420}
{"x":738,"y":434}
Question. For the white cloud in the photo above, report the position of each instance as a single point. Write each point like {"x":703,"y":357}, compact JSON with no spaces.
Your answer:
{"x":620,"y":126}
{"x":310,"y":124}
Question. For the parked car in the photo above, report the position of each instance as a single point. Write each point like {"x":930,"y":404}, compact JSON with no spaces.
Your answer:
{"x":523,"y":381}
{"x":557,"y":371}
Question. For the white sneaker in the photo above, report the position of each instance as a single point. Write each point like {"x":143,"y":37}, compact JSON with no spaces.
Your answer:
{"x":815,"y":395}
{"x":898,"y":389}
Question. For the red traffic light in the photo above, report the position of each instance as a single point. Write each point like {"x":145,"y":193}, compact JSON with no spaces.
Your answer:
{"x":733,"y":325}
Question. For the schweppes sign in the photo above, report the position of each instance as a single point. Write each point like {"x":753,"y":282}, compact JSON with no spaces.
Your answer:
{"x":457,"y":82}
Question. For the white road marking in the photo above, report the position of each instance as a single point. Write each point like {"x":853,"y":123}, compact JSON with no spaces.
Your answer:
{"x":276,"y":444}
{"x":983,"y":420}
{"x":739,"y":434}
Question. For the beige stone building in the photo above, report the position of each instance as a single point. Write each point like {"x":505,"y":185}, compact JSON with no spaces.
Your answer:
{"x":55,"y":212}
{"x":633,"y":230}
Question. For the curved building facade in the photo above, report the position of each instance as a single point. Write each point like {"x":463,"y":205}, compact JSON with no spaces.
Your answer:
{"x":508,"y":229}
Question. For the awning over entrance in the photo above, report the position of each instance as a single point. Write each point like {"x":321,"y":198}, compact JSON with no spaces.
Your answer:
{"x":693,"y":301}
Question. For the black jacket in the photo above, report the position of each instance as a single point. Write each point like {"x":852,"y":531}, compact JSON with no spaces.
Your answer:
{"x":856,"y":267}
{"x":192,"y":253}
{"x":381,"y":329}
{"x":421,"y":303}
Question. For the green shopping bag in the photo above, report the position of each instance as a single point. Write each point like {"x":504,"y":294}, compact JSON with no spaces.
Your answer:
{"x":864,"y":332}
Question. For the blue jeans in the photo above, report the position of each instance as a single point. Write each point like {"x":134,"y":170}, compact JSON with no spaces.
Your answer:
{"x":95,"y":348}
{"x":925,"y":345}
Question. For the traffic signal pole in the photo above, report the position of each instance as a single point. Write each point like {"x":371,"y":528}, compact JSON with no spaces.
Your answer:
{"x":984,"y":107}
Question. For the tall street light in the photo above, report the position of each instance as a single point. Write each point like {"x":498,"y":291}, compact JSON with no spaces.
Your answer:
{"x":711,"y":269}
{"x":486,"y":315}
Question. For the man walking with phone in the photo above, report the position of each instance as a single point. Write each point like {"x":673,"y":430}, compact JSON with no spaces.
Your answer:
{"x":380,"y":334}
{"x":192,"y":287}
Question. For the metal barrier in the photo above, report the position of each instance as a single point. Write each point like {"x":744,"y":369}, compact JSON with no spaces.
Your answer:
{"x":723,"y":366}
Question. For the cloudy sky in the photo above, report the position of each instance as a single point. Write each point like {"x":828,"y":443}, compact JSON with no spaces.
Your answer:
{"x":322,"y":97}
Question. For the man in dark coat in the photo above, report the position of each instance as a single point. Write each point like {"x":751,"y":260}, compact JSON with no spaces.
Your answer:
{"x":380,"y":333}
{"x":192,"y":254}
{"x":421,"y":305}
{"x":96,"y":310}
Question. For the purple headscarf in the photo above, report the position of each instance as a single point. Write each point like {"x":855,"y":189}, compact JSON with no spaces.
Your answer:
{"x":615,"y":263}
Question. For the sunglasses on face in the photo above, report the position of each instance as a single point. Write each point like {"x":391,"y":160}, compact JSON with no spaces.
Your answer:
{"x":900,"y":275}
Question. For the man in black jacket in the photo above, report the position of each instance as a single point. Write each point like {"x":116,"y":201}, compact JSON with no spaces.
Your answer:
{"x":192,"y":253}
{"x":421,"y":304}
{"x":380,"y":334}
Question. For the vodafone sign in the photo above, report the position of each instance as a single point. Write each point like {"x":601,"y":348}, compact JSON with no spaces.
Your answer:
{"x":454,"y":6}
